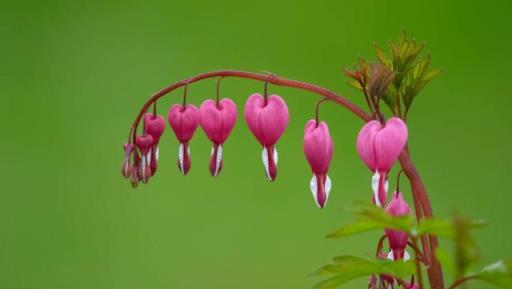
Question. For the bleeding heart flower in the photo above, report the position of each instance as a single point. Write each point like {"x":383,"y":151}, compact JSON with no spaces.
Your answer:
{"x":144,"y":143}
{"x":318,"y":148}
{"x":126,"y":167}
{"x":154,"y":125}
{"x":184,"y":121}
{"x":217,"y":121}
{"x":267,"y":120}
{"x":379,"y":147}
{"x":397,"y":239}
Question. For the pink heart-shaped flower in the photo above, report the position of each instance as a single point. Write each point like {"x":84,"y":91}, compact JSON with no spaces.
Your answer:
{"x":267,"y":120}
{"x":144,"y":143}
{"x":379,"y":147}
{"x":217,"y":121}
{"x":154,"y":125}
{"x":318,"y":148}
{"x":184,"y":121}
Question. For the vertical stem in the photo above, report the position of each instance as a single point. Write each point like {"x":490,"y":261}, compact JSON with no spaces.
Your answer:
{"x":418,"y":264}
{"x":422,"y":204}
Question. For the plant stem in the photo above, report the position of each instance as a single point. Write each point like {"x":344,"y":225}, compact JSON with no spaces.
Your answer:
{"x":421,"y":201}
{"x":417,"y":262}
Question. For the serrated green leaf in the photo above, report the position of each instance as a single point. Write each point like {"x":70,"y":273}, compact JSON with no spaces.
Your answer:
{"x":430,"y":75}
{"x":347,"y":268}
{"x":498,"y":274}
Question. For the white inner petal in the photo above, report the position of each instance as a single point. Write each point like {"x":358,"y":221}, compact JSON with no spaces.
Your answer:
{"x":218,"y":160}
{"x":156,"y":153}
{"x":276,"y":156}
{"x":390,"y":256}
{"x":314,"y":189}
{"x":143,"y":166}
{"x":264,"y":158}
{"x":148,"y":156}
{"x":375,"y":188}
{"x":180,"y":157}
{"x":407,"y":257}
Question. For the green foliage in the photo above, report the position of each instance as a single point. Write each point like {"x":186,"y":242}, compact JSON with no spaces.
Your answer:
{"x":347,"y":268}
{"x":412,"y":74}
{"x":458,"y":229}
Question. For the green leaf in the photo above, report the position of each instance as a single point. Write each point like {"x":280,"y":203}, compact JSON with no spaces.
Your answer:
{"x":355,"y":84}
{"x":347,"y":268}
{"x":498,"y":274}
{"x":431,"y":226}
{"x":390,"y":97}
{"x":371,"y":218}
{"x":446,"y":261}
{"x":354,"y":228}
{"x":382,"y":56}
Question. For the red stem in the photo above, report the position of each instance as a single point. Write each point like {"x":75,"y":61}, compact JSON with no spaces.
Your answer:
{"x":421,"y":201}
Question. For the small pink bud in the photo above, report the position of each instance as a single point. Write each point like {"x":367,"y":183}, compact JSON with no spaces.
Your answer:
{"x":126,"y":167}
{"x":217,"y":121}
{"x":318,"y":148}
{"x":379,"y":147}
{"x":267,"y":120}
{"x":184,"y":121}
{"x":397,"y":239}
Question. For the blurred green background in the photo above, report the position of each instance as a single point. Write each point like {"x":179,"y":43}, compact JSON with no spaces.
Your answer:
{"x":73,"y":75}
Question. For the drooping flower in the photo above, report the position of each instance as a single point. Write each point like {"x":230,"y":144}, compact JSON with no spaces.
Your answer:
{"x":184,"y":121}
{"x":217,"y":121}
{"x":379,"y":147}
{"x":144,"y":143}
{"x":154,"y":125}
{"x":397,"y":239}
{"x":318,"y":148}
{"x":126,"y":167}
{"x":267,"y":119}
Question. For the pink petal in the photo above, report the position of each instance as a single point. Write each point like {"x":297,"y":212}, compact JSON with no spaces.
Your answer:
{"x":184,"y":121}
{"x":365,"y":143}
{"x":218,"y":121}
{"x":389,"y":143}
{"x":268,"y":121}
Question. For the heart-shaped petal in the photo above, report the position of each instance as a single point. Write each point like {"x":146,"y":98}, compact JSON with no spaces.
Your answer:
{"x":218,"y":120}
{"x":154,"y":125}
{"x":184,"y":121}
{"x":144,"y":143}
{"x":389,"y":143}
{"x":379,"y":146}
{"x":266,"y":120}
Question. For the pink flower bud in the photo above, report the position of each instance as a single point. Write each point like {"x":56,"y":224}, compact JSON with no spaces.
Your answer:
{"x":397,"y":239}
{"x":379,"y":147}
{"x":267,"y":121}
{"x":318,"y":148}
{"x":144,"y":143}
{"x":184,"y":121}
{"x":126,"y":167}
{"x":217,"y":121}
